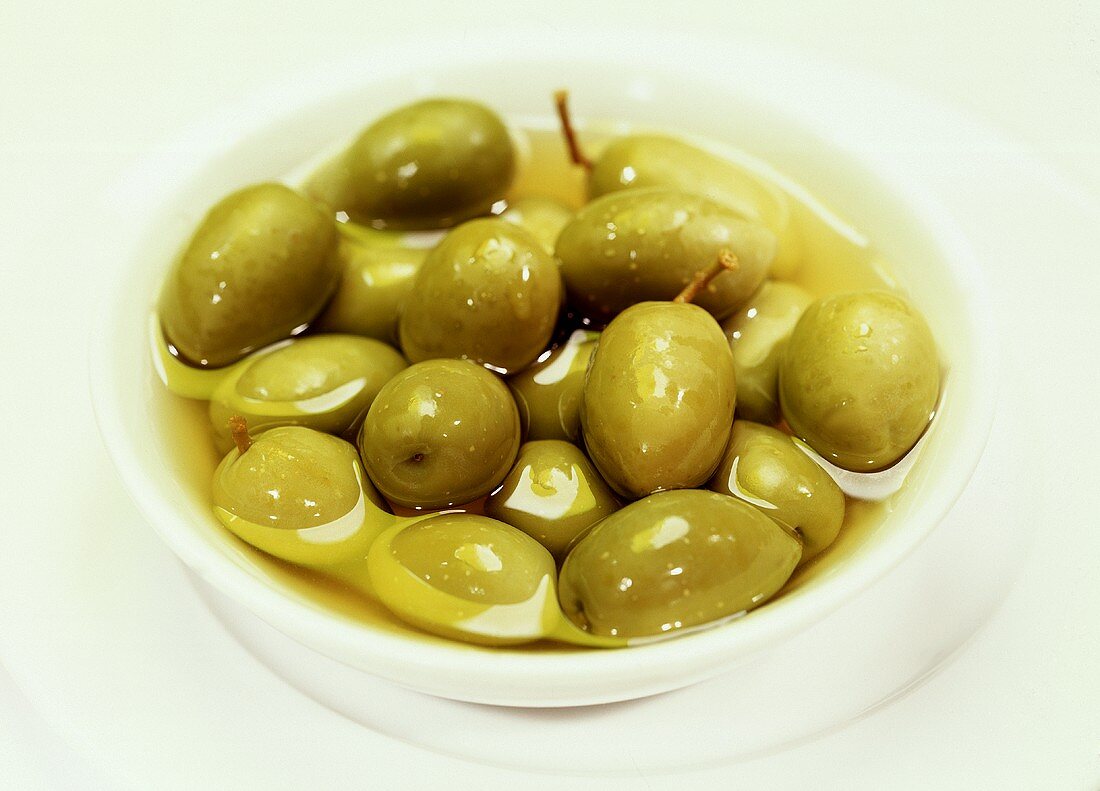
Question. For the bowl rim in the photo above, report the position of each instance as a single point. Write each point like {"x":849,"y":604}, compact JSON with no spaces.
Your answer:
{"x":503,"y":676}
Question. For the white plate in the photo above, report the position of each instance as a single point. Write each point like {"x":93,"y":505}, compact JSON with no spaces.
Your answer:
{"x":103,"y":632}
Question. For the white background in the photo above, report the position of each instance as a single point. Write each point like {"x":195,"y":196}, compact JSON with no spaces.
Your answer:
{"x":86,"y":87}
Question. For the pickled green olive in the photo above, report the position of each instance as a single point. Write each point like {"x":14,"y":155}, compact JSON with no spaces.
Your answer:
{"x":440,"y":433}
{"x":673,"y":561}
{"x":549,"y":394}
{"x":300,"y":495}
{"x":859,"y":379}
{"x":659,"y":399}
{"x":645,"y":160}
{"x":543,"y":217}
{"x":325,"y":382}
{"x":258,"y":267}
{"x":430,"y":164}
{"x":764,"y":467}
{"x":488,"y":293}
{"x":552,"y":494}
{"x":377,"y":268}
{"x":647,"y":244}
{"x":757,"y":334}
{"x":466,"y":577}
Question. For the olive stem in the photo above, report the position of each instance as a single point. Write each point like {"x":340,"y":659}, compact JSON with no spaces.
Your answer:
{"x":238,"y":427}
{"x":727,"y":262}
{"x":561,"y":100}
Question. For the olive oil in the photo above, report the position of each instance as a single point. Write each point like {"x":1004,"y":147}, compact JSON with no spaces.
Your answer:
{"x":834,"y":257}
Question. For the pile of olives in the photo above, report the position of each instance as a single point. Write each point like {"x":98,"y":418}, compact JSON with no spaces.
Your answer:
{"x":509,"y":419}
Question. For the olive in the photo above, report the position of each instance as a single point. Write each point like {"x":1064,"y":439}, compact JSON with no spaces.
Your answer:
{"x":326,"y":382}
{"x":466,"y":577}
{"x":764,"y":467}
{"x":431,"y":164}
{"x":257,"y":269}
{"x":859,"y":379}
{"x":543,"y":217}
{"x":647,"y":244}
{"x":552,"y":494}
{"x":549,"y":394}
{"x":658,"y":399}
{"x":645,"y":160}
{"x":674,"y":560}
{"x":440,"y":433}
{"x":488,"y":292}
{"x":377,"y":269}
{"x":757,"y":334}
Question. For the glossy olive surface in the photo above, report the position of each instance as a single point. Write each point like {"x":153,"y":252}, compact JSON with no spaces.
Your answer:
{"x":326,"y":382}
{"x":440,"y":433}
{"x":258,"y":267}
{"x":647,"y":160}
{"x":488,"y":292}
{"x":859,"y":379}
{"x":549,"y":393}
{"x":291,"y":477}
{"x":543,"y":217}
{"x":466,"y":577}
{"x":552,"y":494}
{"x":430,"y":164}
{"x":764,"y":467}
{"x":673,"y":561}
{"x":757,"y":333}
{"x":647,"y":244}
{"x":377,"y":271}
{"x":659,"y":399}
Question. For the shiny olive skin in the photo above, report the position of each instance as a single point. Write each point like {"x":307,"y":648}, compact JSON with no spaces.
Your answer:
{"x":326,"y":382}
{"x":548,"y":394}
{"x":440,"y":433}
{"x":431,"y":164}
{"x":673,"y":561}
{"x":757,"y":334}
{"x":552,"y":494}
{"x":647,"y":244}
{"x":658,"y":399}
{"x":377,"y":271}
{"x":543,"y":217}
{"x":259,"y":266}
{"x":488,"y":292}
{"x":645,"y":160}
{"x":291,"y":477}
{"x":764,"y":467}
{"x":466,"y":577}
{"x":859,"y":379}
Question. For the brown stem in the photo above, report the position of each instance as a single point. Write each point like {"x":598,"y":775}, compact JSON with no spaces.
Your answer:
{"x":561,"y":100}
{"x":238,"y":427}
{"x":727,"y":262}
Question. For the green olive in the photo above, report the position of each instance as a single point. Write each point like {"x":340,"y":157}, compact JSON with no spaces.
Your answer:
{"x":431,"y":164}
{"x":859,"y":379}
{"x":543,"y":217}
{"x":378,"y":269}
{"x":647,"y":244}
{"x":552,"y":494}
{"x":258,"y":267}
{"x":674,"y":560}
{"x":326,"y":382}
{"x":764,"y":467}
{"x":549,"y":394}
{"x":645,"y":160}
{"x":659,"y":399}
{"x":440,"y":433}
{"x":489,"y":293}
{"x":757,"y":334}
{"x":466,"y":577}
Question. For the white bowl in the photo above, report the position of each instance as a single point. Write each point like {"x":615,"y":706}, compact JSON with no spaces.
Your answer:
{"x":159,"y":442}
